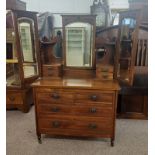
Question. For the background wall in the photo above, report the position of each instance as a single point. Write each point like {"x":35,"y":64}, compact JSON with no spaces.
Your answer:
{"x":69,"y":6}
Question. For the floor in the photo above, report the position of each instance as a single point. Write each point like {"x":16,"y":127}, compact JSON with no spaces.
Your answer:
{"x":131,"y":139}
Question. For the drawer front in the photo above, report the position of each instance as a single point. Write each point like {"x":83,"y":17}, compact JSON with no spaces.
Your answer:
{"x":14,"y":98}
{"x":61,"y":125}
{"x":104,"y":75}
{"x":78,"y":110}
{"x":107,"y":69}
{"x":52,"y":71}
{"x":55,"y":97}
{"x":94,"y":97}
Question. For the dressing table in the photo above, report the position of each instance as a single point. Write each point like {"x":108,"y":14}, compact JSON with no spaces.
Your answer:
{"x":77,"y":103}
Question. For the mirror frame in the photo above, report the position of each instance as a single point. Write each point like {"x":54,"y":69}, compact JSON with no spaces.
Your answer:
{"x":84,"y":18}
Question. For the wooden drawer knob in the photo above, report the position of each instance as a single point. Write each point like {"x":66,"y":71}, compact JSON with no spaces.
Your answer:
{"x":93,"y":110}
{"x":56,"y":124}
{"x":55,"y":96}
{"x":92,"y":126}
{"x":55,"y":109}
{"x":93,"y":97}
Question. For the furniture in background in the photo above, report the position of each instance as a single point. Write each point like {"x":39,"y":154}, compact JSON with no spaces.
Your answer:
{"x":22,"y":58}
{"x":132,"y":64}
{"x":133,"y":100}
{"x":103,"y":13}
{"x":15,"y":5}
{"x":78,"y":103}
{"x":130,"y":58}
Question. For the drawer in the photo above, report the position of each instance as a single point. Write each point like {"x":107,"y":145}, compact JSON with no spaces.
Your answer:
{"x":55,"y":97}
{"x":87,"y":126}
{"x":58,"y":109}
{"x":94,"y":97}
{"x":54,"y":71}
{"x":14,"y":98}
{"x":104,"y":75}
{"x":105,"y":69}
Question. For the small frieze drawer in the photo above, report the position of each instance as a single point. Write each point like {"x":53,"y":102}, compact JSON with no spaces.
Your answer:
{"x":105,"y":69}
{"x":105,"y":76}
{"x":52,"y":70}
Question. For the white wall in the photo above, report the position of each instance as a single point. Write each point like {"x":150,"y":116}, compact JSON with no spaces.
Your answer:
{"x":69,"y":6}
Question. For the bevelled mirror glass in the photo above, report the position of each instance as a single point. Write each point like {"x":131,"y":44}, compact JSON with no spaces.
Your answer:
{"x":78,"y":44}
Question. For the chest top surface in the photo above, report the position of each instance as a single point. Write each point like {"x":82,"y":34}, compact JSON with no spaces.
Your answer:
{"x":76,"y":83}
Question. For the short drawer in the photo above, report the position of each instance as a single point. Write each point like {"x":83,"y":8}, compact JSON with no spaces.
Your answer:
{"x":94,"y":97}
{"x":78,"y":110}
{"x":14,"y":98}
{"x":55,"y":97}
{"x":53,"y":71}
{"x":104,"y":75}
{"x":102,"y":68}
{"x":61,"y":125}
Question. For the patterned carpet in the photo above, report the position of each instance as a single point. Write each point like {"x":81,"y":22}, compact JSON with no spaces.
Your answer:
{"x":131,"y":139}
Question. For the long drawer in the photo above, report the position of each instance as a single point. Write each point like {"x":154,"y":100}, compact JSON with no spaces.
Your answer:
{"x":80,"y":110}
{"x":60,"y":125}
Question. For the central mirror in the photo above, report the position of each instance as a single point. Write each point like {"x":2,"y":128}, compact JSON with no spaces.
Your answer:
{"x":78,"y":44}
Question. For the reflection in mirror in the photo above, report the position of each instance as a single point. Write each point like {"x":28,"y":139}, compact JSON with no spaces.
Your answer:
{"x":26,"y":41}
{"x":58,"y":46}
{"x":12,"y":74}
{"x":127,"y":28}
{"x":79,"y":43}
{"x":12,"y":65}
{"x":30,"y":71}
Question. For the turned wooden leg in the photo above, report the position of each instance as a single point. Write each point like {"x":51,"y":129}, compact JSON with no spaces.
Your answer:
{"x":112,"y":142}
{"x":39,"y":139}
